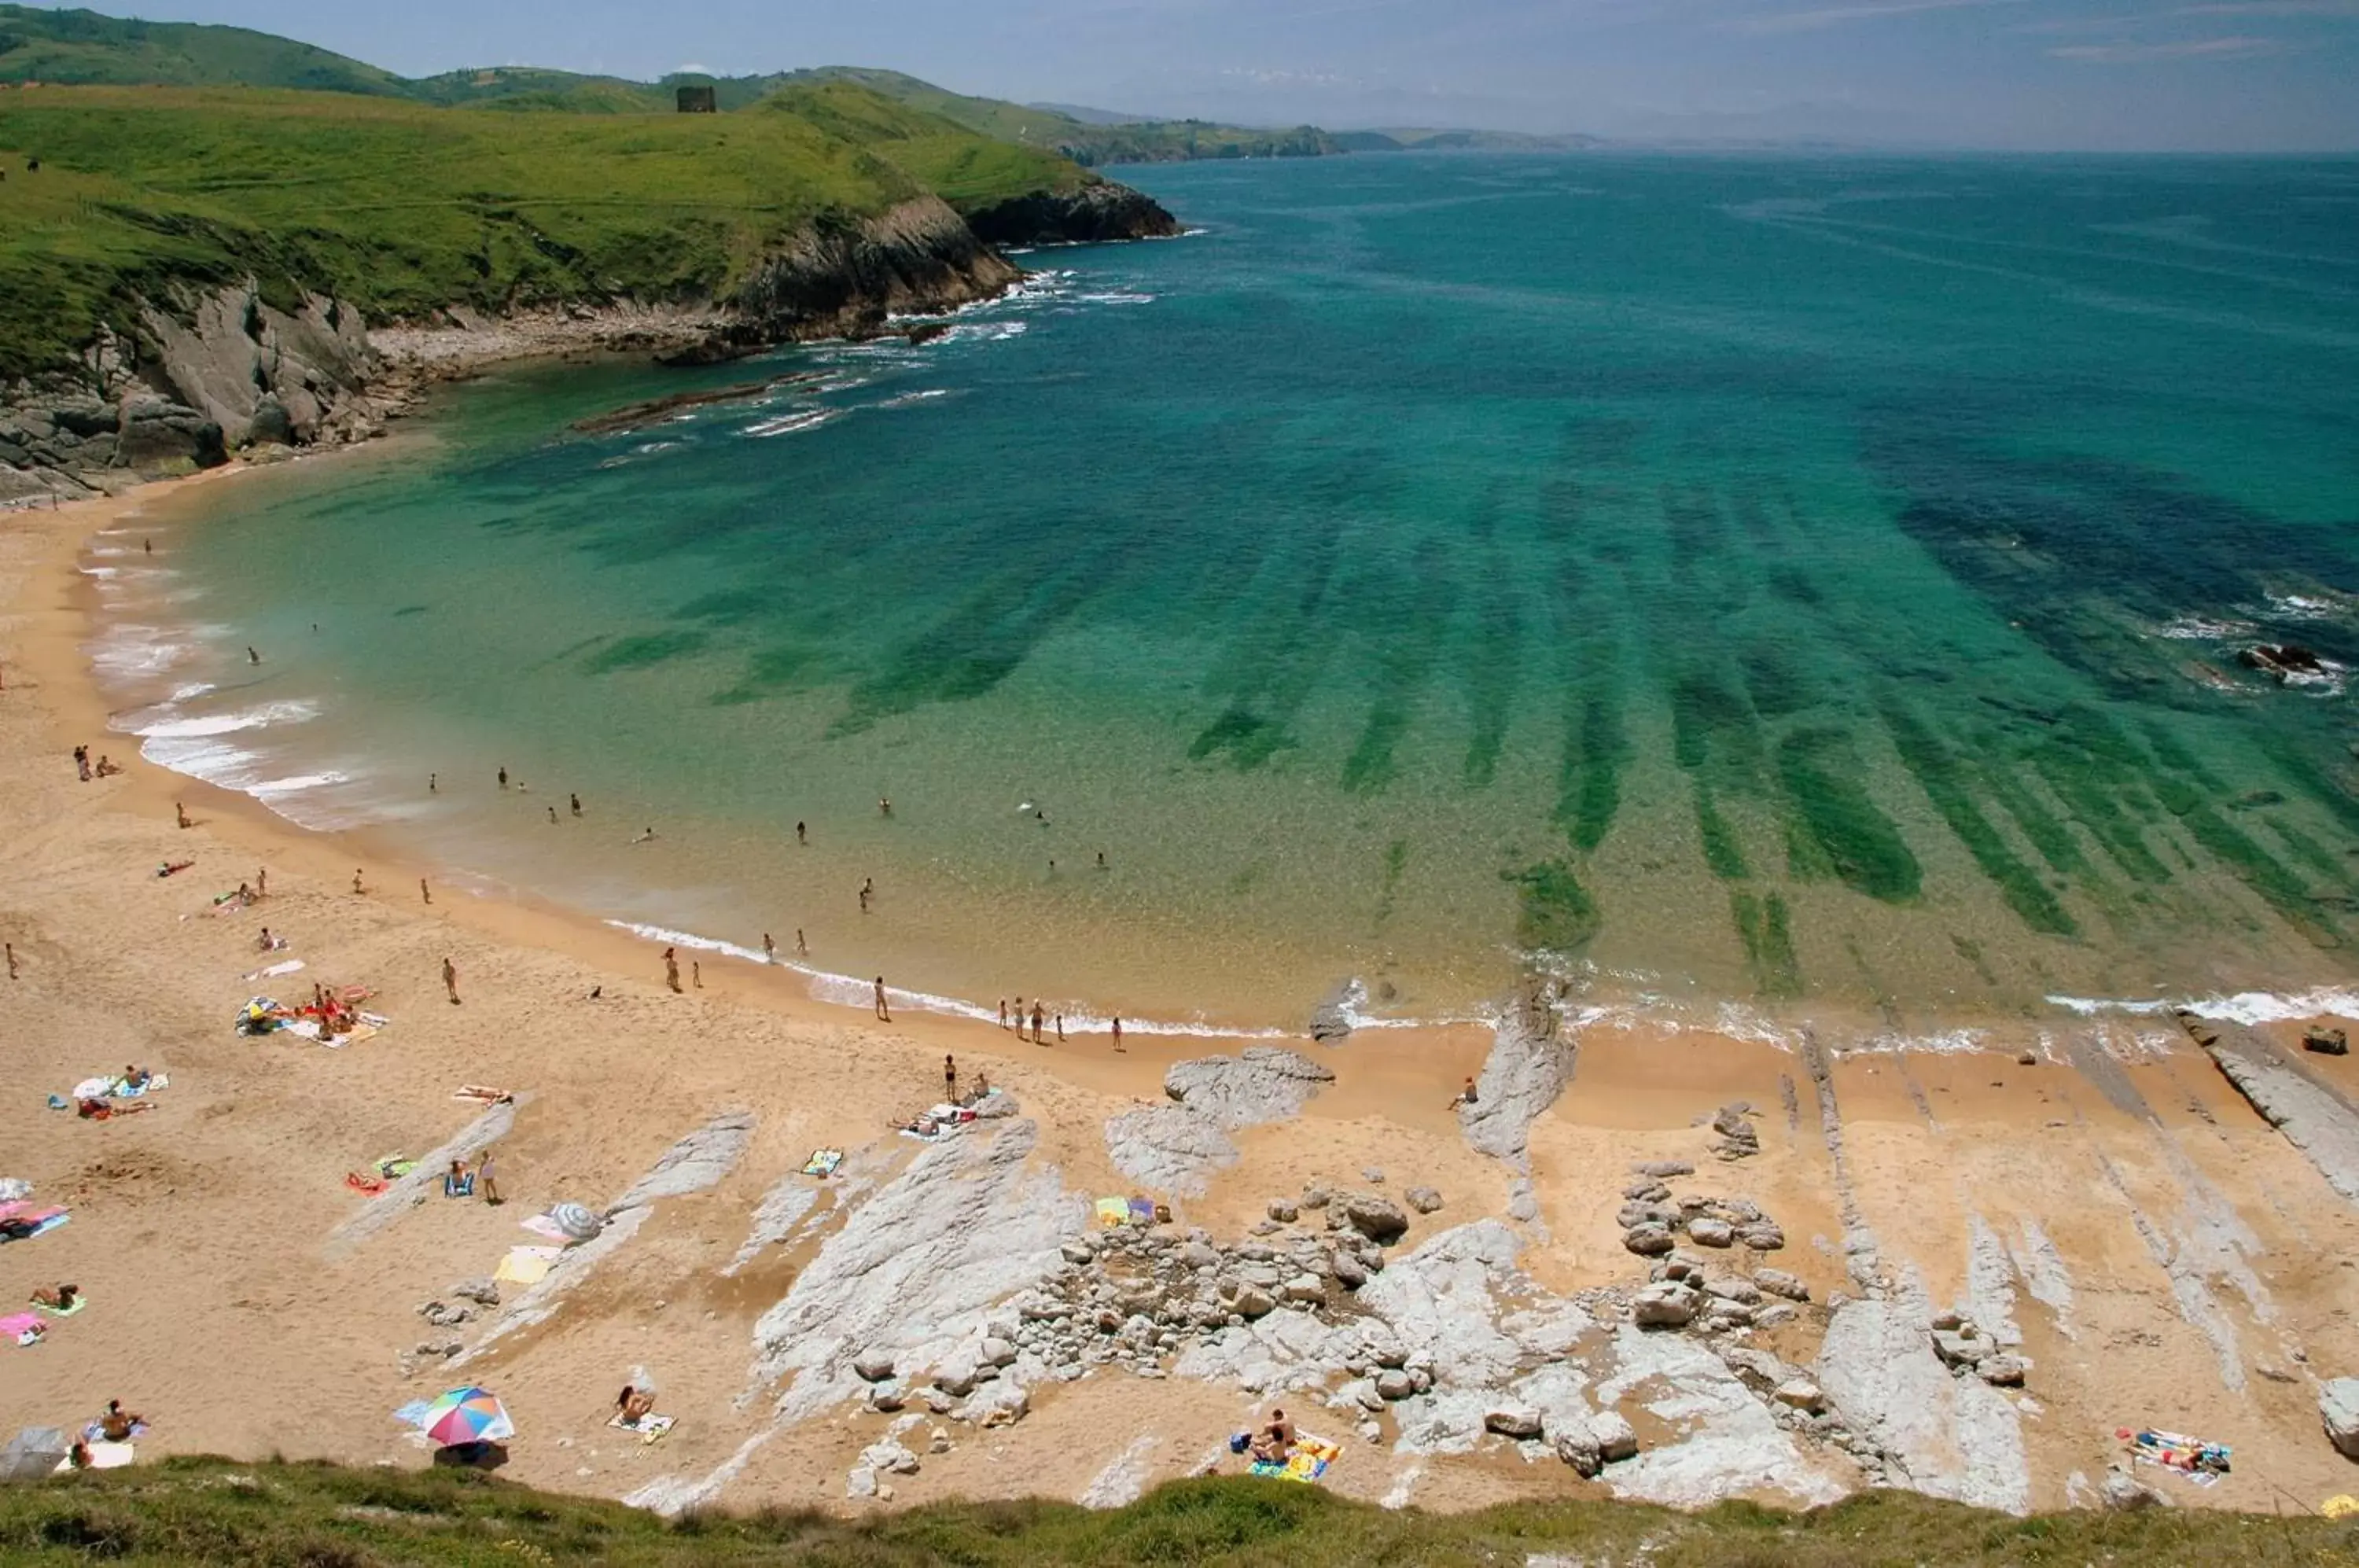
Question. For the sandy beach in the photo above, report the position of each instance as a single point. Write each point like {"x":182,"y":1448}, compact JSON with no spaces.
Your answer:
{"x":2113,"y":1212}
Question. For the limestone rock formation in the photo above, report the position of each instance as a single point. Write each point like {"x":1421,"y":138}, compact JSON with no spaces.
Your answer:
{"x":1094,"y":213}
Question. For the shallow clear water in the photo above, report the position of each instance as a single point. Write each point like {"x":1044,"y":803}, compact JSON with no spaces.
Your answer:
{"x":1810,"y":585}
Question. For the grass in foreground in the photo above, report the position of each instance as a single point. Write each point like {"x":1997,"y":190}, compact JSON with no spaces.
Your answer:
{"x":320,"y":1516}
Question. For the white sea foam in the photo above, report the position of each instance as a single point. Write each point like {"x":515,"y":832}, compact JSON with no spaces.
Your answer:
{"x":130,"y":650}
{"x":788,"y":424}
{"x":1115,"y":298}
{"x":851,"y":991}
{"x":2244,"y":1008}
{"x":2195,"y":628}
{"x":268,"y":713}
{"x":910,"y":400}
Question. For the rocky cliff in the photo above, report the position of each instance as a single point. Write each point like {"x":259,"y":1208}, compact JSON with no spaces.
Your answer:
{"x":214,"y":371}
{"x":1092,"y":214}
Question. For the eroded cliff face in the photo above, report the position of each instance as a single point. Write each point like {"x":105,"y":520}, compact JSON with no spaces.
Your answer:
{"x":1093,"y":214}
{"x":218,"y":371}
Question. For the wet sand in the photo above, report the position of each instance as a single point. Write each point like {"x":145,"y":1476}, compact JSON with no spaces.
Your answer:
{"x":2201,"y":1253}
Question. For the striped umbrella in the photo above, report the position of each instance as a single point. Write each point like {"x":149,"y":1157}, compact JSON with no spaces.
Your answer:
{"x":467,"y":1415}
{"x":577,"y":1222}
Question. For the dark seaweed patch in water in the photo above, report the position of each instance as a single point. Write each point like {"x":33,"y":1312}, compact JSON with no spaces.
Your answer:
{"x":1833,"y":816}
{"x":1766,"y":930}
{"x":410,"y":610}
{"x":1422,"y":598}
{"x":1721,"y":850}
{"x":968,"y":652}
{"x":1775,"y":679}
{"x":2305,"y":774}
{"x":1590,"y":780}
{"x":1944,"y":779}
{"x":643,"y":652}
{"x":2260,"y":871}
{"x":2008,"y":781}
{"x":1711,"y":722}
{"x":1249,"y":739}
{"x":1554,"y":912}
{"x":772,"y":672}
{"x":732,"y":606}
{"x":1395,"y":862}
{"x":1789,"y":583}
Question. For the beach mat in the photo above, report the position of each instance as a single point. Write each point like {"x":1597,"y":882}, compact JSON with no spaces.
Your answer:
{"x":541,"y":1224}
{"x":23,"y":1328}
{"x":1111,"y":1211}
{"x":1306,"y":1465}
{"x":823,"y":1163}
{"x":650,"y":1428}
{"x":527,"y":1265}
{"x":80,"y":1301}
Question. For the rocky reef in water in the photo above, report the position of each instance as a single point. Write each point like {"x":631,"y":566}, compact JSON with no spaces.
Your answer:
{"x":217,"y":370}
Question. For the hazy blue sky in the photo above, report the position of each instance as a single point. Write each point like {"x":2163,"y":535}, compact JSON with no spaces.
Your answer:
{"x":2224,"y":75}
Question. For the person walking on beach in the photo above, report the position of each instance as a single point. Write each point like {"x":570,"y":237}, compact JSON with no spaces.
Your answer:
{"x":1003,"y":1013}
{"x":866,"y":889}
{"x":949,"y":1078}
{"x":802,"y":949}
{"x":251,"y":657}
{"x":884,"y":1013}
{"x":433,"y":783}
{"x":884,"y":806}
{"x":802,"y":836}
{"x":769,"y":949}
{"x":424,"y":893}
{"x":1117,"y":1031}
{"x":450,"y":979}
{"x":1037,"y":1022}
{"x":696,"y":973}
{"x":504,"y":775}
{"x":576,"y":801}
{"x":1019,"y":1018}
{"x":12,"y":960}
{"x":671,"y":969}
{"x":357,"y":888}
{"x":552,"y":816}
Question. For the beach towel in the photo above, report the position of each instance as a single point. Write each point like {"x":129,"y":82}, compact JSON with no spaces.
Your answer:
{"x":414,"y":1413}
{"x":1113,"y":1211}
{"x":285,"y":966}
{"x":650,"y":1427}
{"x":106,"y":1455}
{"x":1142,"y":1211}
{"x":33,"y":1222}
{"x":823,"y":1163}
{"x":124,"y":1089}
{"x":394,"y":1166}
{"x":95,"y":1432}
{"x":366,"y":1186}
{"x":1308,"y":1463}
{"x":80,"y":1301}
{"x":24,"y":1328}
{"x":527,"y":1265}
{"x":15,"y":1206}
{"x":542,"y":1225}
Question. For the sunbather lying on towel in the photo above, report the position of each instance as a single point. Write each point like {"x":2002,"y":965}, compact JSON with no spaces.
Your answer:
{"x":633,"y":1403}
{"x":60,"y":1297}
{"x":171,"y":867}
{"x":94,"y":1108}
{"x":479,"y":1091}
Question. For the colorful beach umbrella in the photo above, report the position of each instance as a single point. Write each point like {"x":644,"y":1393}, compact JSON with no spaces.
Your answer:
{"x":467,"y":1415}
{"x":94,"y":1089}
{"x":577,"y":1222}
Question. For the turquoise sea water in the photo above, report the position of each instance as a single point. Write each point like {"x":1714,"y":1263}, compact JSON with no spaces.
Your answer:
{"x":1806,"y":585}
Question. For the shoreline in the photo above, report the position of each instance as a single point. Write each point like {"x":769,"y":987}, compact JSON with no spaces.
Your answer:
{"x":226,"y":1205}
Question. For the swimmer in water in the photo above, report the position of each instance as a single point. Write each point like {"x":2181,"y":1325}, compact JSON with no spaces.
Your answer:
{"x":645,"y":836}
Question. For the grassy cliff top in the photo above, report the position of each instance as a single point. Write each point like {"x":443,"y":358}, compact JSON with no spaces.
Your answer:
{"x":401,"y":208}
{"x":320,"y":1516}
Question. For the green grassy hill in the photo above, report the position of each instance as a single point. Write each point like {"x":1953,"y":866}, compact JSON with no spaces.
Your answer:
{"x":318,"y":1516}
{"x":400,"y":208}
{"x":81,"y":48}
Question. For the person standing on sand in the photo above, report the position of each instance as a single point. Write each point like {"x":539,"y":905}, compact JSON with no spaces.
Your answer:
{"x":356,"y":881}
{"x":696,"y":973}
{"x":769,"y":949}
{"x":1117,"y":1031}
{"x":487,"y":1180}
{"x":12,"y":960}
{"x":180,"y":815}
{"x":424,"y":894}
{"x":504,"y":775}
{"x":671,"y":969}
{"x":865,"y":889}
{"x":1003,"y":1013}
{"x":800,"y":835}
{"x":262,"y":881}
{"x":1036,"y":1020}
{"x":433,"y":782}
{"x":1060,"y":1028}
{"x":802,"y":949}
{"x":949,"y":1078}
{"x":884,"y":806}
{"x":450,"y":979}
{"x":576,"y":801}
{"x":552,"y":816}
{"x":884,"y":1013}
